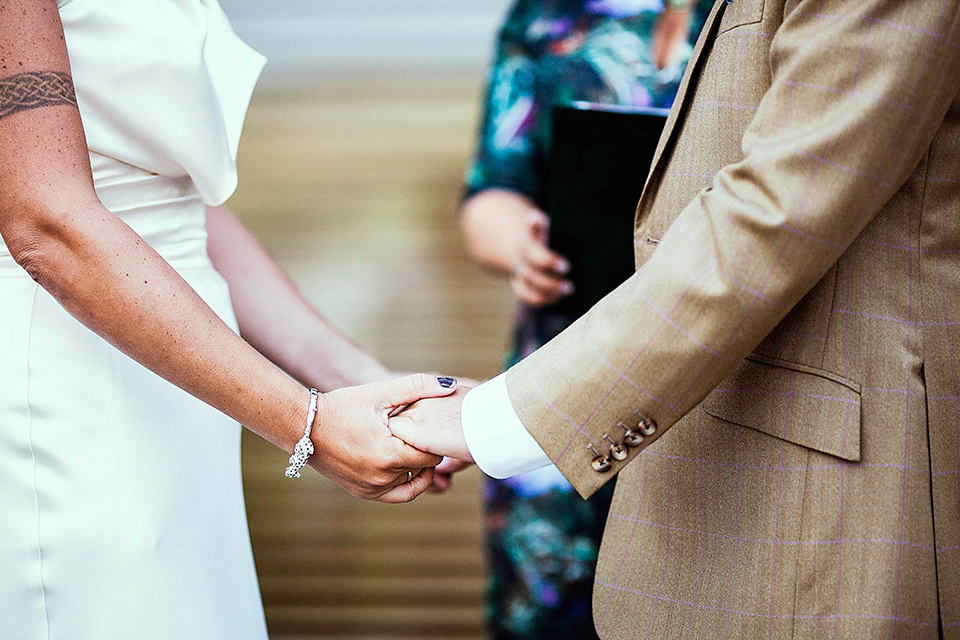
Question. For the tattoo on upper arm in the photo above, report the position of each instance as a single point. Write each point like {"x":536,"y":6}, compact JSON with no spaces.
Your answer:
{"x":35,"y":89}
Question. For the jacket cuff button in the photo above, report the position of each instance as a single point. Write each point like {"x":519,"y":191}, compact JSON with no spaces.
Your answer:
{"x":631,"y":438}
{"x":647,"y":426}
{"x":617,"y":451}
{"x":600,"y":462}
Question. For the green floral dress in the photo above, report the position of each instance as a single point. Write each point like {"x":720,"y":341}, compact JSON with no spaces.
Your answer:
{"x":542,"y":538}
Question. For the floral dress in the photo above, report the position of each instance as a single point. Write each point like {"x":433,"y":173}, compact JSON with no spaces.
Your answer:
{"x":542,"y":538}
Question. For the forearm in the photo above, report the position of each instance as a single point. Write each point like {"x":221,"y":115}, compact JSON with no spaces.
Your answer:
{"x":276,"y":319}
{"x":490,"y":220}
{"x":745,"y":251}
{"x":99,"y":269}
{"x":114,"y":283}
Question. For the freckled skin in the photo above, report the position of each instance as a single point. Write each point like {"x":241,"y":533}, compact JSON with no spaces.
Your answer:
{"x":102,"y":273}
{"x":35,"y":90}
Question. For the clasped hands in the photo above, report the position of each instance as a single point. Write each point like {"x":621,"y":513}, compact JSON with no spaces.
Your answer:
{"x":367,"y":445}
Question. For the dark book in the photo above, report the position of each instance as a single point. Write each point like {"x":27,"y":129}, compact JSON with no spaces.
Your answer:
{"x":599,"y":159}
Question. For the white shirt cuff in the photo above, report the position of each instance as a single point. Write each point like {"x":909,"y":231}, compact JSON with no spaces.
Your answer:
{"x":497,"y":440}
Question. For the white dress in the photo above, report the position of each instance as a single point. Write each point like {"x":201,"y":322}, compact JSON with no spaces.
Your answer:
{"x":121,"y":505}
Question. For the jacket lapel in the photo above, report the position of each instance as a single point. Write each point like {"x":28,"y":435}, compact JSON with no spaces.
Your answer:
{"x":679,"y":104}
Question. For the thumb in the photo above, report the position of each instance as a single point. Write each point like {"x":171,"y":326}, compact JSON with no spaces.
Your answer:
{"x":409,"y":389}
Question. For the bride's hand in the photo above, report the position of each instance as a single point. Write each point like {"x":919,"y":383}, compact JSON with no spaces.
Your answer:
{"x":354,"y":446}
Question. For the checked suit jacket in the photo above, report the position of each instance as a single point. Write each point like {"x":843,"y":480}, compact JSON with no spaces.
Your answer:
{"x":793,"y":331}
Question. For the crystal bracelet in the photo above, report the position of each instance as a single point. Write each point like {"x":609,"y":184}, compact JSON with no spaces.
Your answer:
{"x":304,"y":447}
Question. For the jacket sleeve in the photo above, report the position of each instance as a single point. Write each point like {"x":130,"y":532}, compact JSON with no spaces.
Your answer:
{"x":856,"y":95}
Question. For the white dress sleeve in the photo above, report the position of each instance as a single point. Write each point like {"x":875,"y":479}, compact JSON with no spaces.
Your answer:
{"x":162,"y":86}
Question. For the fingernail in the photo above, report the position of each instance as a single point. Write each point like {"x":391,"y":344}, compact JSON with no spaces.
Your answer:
{"x":563,"y":266}
{"x":568,"y":288}
{"x":446,"y":383}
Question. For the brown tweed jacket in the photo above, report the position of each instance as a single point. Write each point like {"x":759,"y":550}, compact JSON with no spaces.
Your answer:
{"x":793,"y":330}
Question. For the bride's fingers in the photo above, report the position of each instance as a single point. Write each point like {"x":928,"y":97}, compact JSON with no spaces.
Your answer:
{"x":406,"y":491}
{"x":409,"y":389}
{"x":409,"y":456}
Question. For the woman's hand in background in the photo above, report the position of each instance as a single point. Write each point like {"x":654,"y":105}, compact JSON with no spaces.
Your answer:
{"x":671,"y":31}
{"x":538,"y":276}
{"x":506,"y":233}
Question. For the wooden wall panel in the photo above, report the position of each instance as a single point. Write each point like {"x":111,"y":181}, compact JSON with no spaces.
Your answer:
{"x":353,"y":187}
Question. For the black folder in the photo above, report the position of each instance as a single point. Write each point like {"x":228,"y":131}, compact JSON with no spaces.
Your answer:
{"x":599,"y":159}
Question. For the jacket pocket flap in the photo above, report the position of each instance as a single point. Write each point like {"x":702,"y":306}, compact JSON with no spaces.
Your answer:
{"x":803,"y":405}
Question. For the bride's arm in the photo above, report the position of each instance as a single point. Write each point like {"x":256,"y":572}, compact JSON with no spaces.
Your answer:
{"x":113,"y":282}
{"x":276,"y":319}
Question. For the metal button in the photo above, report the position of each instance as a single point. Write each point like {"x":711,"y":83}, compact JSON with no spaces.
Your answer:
{"x":647,"y":426}
{"x":617,"y":450}
{"x":600,"y":462}
{"x":631,"y":438}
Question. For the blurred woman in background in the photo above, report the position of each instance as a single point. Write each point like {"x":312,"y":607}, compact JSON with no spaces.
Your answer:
{"x":542,"y":537}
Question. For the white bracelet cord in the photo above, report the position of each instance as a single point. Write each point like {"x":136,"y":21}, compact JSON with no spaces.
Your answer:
{"x":304,"y":447}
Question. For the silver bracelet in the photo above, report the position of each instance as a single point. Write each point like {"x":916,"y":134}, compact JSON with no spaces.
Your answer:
{"x":304,"y":447}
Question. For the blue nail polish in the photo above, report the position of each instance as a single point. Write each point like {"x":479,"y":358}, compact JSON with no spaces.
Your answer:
{"x":446,"y":383}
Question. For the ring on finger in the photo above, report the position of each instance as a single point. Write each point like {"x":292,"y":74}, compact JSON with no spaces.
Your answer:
{"x":409,"y":476}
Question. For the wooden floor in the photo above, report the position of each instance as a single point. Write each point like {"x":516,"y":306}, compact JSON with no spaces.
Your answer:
{"x":353,"y":186}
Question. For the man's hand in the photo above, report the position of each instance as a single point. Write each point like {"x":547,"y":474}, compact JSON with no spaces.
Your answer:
{"x":443,"y":474}
{"x":354,"y":445}
{"x":433,"y":425}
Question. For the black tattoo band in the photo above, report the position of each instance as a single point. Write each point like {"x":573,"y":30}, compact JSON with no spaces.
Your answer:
{"x":35,"y":89}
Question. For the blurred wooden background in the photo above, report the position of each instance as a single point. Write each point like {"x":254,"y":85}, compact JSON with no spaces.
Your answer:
{"x":353,"y":186}
{"x":350,"y":171}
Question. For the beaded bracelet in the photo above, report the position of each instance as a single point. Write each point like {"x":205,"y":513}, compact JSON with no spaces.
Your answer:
{"x":304,"y":447}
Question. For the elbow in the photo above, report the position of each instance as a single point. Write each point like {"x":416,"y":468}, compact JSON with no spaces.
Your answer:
{"x":30,"y":257}
{"x":39,"y":240}
{"x":33,"y":253}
